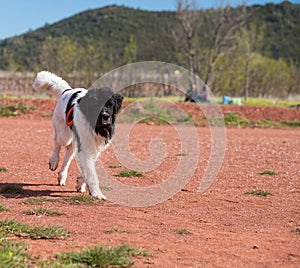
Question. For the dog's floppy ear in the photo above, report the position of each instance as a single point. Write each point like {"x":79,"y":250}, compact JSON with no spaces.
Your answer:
{"x":118,"y":99}
{"x":92,"y":103}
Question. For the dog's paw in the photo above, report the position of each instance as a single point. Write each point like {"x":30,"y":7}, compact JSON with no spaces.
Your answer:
{"x":62,"y":178}
{"x":80,"y":185}
{"x":99,"y":196}
{"x":53,"y":164}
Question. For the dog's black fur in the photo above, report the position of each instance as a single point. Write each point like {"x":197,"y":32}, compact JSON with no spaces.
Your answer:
{"x":100,"y":107}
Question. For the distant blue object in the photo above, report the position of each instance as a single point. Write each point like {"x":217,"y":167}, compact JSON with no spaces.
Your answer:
{"x":234,"y":101}
{"x":226,"y":100}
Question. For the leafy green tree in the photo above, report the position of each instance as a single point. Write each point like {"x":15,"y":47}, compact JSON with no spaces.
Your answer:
{"x":269,"y":77}
{"x":59,"y":55}
{"x":91,"y":59}
{"x":249,"y":40}
{"x":130,"y":50}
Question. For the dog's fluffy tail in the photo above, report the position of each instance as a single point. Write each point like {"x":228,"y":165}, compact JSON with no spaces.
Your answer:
{"x":50,"y":82}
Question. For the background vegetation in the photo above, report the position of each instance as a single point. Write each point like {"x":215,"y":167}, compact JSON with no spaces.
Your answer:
{"x":244,"y":51}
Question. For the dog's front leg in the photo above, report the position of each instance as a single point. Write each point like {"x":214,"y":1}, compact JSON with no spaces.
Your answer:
{"x":87,"y":160}
{"x":63,"y":174}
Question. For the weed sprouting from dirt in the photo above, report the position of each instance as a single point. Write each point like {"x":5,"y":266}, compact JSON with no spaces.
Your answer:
{"x":43,"y":212}
{"x":80,"y":200}
{"x":183,"y":232}
{"x":102,"y":256}
{"x":3,"y":169}
{"x":130,"y":173}
{"x":114,"y":166}
{"x":14,"y":109}
{"x":296,"y":231}
{"x":38,"y":200}
{"x":268,"y":172}
{"x":259,"y":192}
{"x":72,"y":200}
{"x":42,"y":232}
{"x":12,"y":254}
{"x":116,"y":230}
{"x":3,"y":208}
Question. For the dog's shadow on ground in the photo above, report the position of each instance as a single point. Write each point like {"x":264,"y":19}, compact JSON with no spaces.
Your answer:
{"x":20,"y":190}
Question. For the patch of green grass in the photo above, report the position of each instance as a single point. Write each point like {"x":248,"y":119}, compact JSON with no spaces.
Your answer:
{"x":155,"y":112}
{"x":14,"y":109}
{"x":154,"y":120}
{"x":43,"y":212}
{"x":291,"y":124}
{"x":234,"y":119}
{"x":12,"y":189}
{"x":101,"y":256}
{"x":12,"y":254}
{"x":130,"y":173}
{"x":43,"y":232}
{"x":72,"y":200}
{"x":268,"y":172}
{"x":2,"y":169}
{"x":38,"y":200}
{"x":296,"y":231}
{"x":269,"y":102}
{"x":171,"y":99}
{"x":264,"y":123}
{"x":3,"y":208}
{"x":259,"y":192}
{"x":114,"y":166}
{"x":183,"y":232}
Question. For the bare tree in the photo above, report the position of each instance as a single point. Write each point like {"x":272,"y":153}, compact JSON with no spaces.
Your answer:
{"x":212,"y":30}
{"x":188,"y":17}
{"x":222,"y":23}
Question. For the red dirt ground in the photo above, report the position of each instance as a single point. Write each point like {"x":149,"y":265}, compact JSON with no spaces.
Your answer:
{"x":45,"y":108}
{"x":228,"y":228}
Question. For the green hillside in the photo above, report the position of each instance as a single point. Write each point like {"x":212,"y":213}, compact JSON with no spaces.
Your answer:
{"x":112,"y":26}
{"x":102,"y":39}
{"x":282,"y":35}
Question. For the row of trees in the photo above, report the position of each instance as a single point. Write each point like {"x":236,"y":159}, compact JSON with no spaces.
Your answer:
{"x":229,"y":61}
{"x":63,"y":56}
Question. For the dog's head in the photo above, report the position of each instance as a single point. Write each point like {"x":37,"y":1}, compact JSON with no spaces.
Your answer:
{"x":100,"y":107}
{"x":107,"y":115}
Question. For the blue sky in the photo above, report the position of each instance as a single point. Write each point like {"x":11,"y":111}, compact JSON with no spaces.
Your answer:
{"x":19,"y":16}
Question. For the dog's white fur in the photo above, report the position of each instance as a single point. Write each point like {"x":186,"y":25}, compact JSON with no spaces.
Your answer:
{"x":91,"y":145}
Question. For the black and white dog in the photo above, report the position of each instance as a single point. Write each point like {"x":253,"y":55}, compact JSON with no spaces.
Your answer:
{"x":84,"y":122}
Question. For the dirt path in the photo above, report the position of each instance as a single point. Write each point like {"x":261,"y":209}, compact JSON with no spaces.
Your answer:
{"x":227,"y":227}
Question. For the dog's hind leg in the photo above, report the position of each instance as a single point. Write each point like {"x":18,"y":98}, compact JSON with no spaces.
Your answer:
{"x":54,"y":159}
{"x":63,"y":173}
